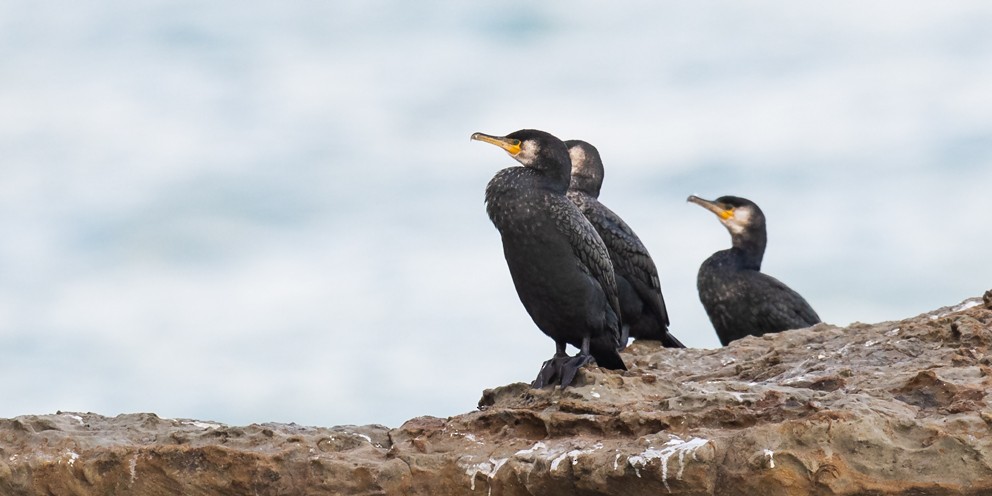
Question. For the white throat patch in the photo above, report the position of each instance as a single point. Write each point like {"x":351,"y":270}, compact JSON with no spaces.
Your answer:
{"x":743,"y":214}
{"x":577,"y":155}
{"x":741,"y":219}
{"x":528,"y":152}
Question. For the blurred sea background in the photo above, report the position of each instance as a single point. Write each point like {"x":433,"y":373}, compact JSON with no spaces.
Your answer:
{"x":248,"y":212}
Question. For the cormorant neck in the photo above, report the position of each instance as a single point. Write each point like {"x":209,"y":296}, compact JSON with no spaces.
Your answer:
{"x":558,"y":171}
{"x":749,"y":249}
{"x":585,"y":185}
{"x":560,"y":178}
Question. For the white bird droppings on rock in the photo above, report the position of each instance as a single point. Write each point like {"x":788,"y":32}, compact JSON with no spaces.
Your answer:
{"x":674,"y":446}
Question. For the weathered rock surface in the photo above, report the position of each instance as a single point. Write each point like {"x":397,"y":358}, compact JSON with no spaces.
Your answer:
{"x":885,"y":409}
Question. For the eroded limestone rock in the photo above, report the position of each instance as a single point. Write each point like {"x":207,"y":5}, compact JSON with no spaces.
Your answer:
{"x":895,"y":408}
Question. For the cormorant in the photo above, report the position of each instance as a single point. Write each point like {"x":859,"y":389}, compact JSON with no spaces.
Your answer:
{"x":642,"y":306}
{"x":559,"y":265}
{"x":739,"y":299}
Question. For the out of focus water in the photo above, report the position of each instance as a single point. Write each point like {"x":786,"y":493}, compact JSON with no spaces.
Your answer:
{"x":251,"y":213}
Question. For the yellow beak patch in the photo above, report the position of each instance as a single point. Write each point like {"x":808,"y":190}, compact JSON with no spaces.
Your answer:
{"x":512,"y":146}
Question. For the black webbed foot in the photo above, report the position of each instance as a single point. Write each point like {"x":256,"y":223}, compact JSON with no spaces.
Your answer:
{"x":572,"y":366}
{"x":551,"y":372}
{"x":560,"y":370}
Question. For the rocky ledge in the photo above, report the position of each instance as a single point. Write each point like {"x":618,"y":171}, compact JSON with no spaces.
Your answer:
{"x":895,"y":408}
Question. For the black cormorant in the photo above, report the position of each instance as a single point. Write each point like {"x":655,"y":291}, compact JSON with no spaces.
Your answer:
{"x":642,"y":306}
{"x":559,"y":265}
{"x":739,"y":299}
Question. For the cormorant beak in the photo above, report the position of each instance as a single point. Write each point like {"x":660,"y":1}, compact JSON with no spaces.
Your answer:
{"x":721,"y":212}
{"x":512,"y":146}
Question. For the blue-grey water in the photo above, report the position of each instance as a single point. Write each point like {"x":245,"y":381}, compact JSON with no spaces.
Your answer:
{"x":249,"y":213}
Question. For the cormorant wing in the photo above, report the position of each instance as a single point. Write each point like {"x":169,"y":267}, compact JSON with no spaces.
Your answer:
{"x":630,"y":256}
{"x":592,"y":254}
{"x":782,"y":307}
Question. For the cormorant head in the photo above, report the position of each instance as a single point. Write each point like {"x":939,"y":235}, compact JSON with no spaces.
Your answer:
{"x":536,"y":150}
{"x":587,"y":167}
{"x":738,"y":214}
{"x":744,"y":220}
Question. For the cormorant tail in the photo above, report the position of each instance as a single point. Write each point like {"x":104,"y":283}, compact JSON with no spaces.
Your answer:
{"x":669,"y":341}
{"x":606,"y":356}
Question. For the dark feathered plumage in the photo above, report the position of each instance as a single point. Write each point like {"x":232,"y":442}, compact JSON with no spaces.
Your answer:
{"x":642,"y":305}
{"x":739,"y":299}
{"x":559,"y":265}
